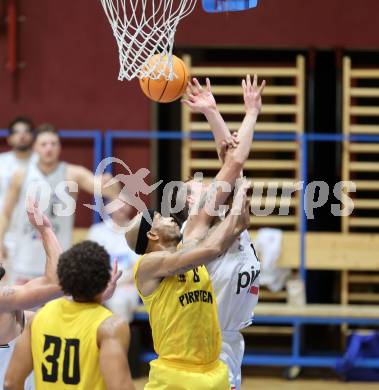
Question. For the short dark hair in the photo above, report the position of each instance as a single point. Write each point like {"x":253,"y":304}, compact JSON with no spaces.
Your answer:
{"x":2,"y":271}
{"x":181,"y":216}
{"x":21,"y":119}
{"x":46,"y":128}
{"x":84,"y":270}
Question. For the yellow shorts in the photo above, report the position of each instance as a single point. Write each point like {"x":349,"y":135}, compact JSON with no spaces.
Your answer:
{"x":163,"y":377}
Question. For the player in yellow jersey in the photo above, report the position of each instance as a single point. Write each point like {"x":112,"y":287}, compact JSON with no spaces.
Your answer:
{"x":177,"y":292}
{"x":75,"y":342}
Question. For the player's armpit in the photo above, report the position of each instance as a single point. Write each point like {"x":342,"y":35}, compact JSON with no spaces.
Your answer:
{"x":113,"y":337}
{"x":21,"y":364}
{"x":147,"y":276}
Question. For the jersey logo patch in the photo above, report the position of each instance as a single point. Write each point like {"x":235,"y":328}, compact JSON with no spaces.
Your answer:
{"x":254,"y":290}
{"x":196,"y":296}
{"x":246,"y":279}
{"x":182,"y":278}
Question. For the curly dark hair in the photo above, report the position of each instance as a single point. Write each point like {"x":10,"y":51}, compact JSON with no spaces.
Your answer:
{"x":84,"y":270}
{"x":2,"y":271}
{"x":181,"y":216}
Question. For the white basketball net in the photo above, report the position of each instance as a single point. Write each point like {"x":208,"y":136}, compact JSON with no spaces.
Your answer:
{"x":143,"y":28}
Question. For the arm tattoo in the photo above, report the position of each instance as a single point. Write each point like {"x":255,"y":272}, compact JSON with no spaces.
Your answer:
{"x":202,"y":201}
{"x":182,"y":270}
{"x":189,"y":245}
{"x":207,"y":196}
{"x":7,"y":291}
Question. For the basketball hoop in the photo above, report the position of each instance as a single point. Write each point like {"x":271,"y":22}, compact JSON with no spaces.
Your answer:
{"x":144,"y":28}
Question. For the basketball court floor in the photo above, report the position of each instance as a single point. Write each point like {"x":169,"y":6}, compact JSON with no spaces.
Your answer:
{"x":300,"y":384}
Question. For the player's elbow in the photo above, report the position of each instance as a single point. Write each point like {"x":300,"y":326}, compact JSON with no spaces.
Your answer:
{"x":125,"y":383}
{"x":213,"y":250}
{"x":10,"y":382}
{"x":236,"y":161}
{"x":8,"y":385}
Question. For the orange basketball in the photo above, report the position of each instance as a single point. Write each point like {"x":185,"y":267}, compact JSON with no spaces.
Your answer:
{"x":162,"y":90}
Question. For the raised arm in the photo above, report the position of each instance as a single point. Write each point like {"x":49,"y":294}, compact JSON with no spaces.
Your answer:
{"x":237,"y":156}
{"x":50,"y":243}
{"x":252,"y":95}
{"x":113,"y":338}
{"x":10,"y":201}
{"x":198,"y":224}
{"x":201,"y":100}
{"x":39,"y":290}
{"x":95,"y":185}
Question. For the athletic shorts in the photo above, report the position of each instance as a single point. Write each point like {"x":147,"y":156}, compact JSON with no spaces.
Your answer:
{"x":164,"y":377}
{"x":232,"y":350}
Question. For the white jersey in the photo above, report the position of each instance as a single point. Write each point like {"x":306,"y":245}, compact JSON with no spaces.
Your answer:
{"x":6,"y":352}
{"x":9,"y":164}
{"x":125,"y":299}
{"x":115,"y":244}
{"x":235,"y":279}
{"x":29,"y":258}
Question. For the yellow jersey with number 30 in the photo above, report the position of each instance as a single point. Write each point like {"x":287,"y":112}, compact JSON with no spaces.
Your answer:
{"x":64,"y":345}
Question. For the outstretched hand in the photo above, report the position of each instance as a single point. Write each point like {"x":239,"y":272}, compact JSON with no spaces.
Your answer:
{"x":252,"y":94}
{"x":36,"y":217}
{"x":200,"y":99}
{"x":116,"y":275}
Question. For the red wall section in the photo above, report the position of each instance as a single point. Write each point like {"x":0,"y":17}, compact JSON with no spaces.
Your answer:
{"x":70,"y":78}
{"x":287,"y":23}
{"x":71,"y":73}
{"x":71,"y":56}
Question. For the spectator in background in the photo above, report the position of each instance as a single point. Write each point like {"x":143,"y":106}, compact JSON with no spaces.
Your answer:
{"x":55,"y":184}
{"x":111,"y":235}
{"x":20,"y":140}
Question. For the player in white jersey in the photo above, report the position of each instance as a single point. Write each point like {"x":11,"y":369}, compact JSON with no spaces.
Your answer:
{"x":56,"y":184}
{"x":20,"y":140}
{"x":15,"y":299}
{"x":235,"y":274}
{"x":235,"y":279}
{"x":111,"y":235}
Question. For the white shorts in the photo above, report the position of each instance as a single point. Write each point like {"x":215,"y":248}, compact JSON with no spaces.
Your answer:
{"x":5,"y":357}
{"x":232,"y":350}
